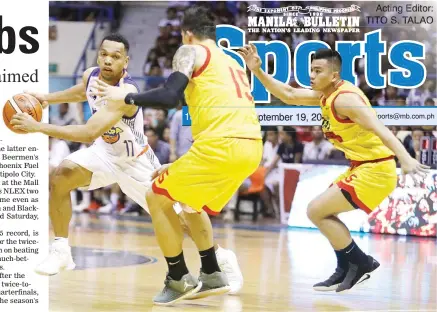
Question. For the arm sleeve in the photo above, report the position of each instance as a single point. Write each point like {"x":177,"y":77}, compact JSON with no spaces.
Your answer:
{"x":166,"y":97}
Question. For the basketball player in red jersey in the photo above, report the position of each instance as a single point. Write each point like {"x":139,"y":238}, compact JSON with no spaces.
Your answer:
{"x":119,"y":154}
{"x":351,"y":124}
{"x":227,"y":149}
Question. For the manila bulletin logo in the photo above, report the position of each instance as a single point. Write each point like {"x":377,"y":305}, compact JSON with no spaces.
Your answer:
{"x":112,"y":135}
{"x":311,"y":19}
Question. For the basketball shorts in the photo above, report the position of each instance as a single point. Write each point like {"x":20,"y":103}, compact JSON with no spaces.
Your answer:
{"x":366,"y":184}
{"x":209,"y":174}
{"x":134,"y":176}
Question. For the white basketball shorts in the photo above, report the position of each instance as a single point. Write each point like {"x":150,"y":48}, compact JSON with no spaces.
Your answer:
{"x":134,"y":176}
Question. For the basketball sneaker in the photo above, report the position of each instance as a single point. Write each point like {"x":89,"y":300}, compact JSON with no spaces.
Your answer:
{"x":228,"y":263}
{"x":213,"y":284}
{"x":358,"y":273}
{"x":332,"y":282}
{"x":59,"y":259}
{"x":177,"y":290}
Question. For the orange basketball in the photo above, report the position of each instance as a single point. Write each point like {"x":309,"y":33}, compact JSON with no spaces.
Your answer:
{"x":21,"y":103}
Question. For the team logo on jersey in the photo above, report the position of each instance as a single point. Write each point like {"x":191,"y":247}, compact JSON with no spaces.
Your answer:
{"x":112,"y":135}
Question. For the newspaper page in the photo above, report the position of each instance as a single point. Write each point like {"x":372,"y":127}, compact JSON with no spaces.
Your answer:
{"x":73,"y":183}
{"x":24,"y":159}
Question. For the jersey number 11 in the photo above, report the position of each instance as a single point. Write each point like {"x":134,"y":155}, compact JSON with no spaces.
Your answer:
{"x":129,"y":151}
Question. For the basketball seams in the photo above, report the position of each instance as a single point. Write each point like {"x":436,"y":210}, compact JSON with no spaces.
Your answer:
{"x":32,"y":105}
{"x":6,"y":119}
{"x":26,"y":107}
{"x":15,"y":105}
{"x":34,"y":101}
{"x":5,"y":116}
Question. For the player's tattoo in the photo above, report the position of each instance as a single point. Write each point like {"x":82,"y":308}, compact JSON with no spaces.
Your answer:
{"x":184,"y":60}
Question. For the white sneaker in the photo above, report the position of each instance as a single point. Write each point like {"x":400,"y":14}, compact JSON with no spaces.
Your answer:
{"x":227,"y":261}
{"x":59,"y":259}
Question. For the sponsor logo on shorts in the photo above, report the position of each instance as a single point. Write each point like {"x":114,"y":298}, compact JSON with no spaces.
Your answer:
{"x":350,"y":178}
{"x":112,"y":135}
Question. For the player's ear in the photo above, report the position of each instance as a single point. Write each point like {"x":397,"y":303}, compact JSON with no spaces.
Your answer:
{"x":336,"y":76}
{"x":126,"y":63}
{"x":189,"y":36}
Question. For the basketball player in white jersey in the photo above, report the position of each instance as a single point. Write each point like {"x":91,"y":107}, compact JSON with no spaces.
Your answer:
{"x":120,"y":154}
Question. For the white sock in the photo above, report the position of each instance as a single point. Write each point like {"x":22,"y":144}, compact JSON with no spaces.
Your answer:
{"x":62,"y":240}
{"x":114,"y":199}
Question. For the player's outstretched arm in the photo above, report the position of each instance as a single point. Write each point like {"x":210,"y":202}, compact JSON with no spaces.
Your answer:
{"x":166,"y":97}
{"x":73,"y":94}
{"x":97,"y":125}
{"x":282,"y":91}
{"x":350,"y":105}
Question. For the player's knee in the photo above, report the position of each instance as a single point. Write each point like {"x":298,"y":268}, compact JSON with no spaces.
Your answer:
{"x":60,"y":179}
{"x":314,"y":210}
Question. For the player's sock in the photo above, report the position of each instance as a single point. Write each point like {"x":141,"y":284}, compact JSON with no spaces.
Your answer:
{"x":61,"y":240}
{"x":342,"y":261}
{"x":354,"y":254}
{"x":176,"y":266}
{"x":209,"y":261}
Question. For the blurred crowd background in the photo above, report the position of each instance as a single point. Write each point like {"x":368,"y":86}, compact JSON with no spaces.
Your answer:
{"x":170,"y":140}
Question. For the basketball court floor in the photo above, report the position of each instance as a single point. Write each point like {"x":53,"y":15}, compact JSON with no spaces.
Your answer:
{"x":120,"y":268}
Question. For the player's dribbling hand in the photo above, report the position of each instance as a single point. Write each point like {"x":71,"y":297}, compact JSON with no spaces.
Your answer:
{"x":25,"y":122}
{"x":107,"y":92}
{"x":413,"y":167}
{"x":250,"y":56}
{"x":40,"y":97}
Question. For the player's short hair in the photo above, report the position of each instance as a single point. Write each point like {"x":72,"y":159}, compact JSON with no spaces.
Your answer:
{"x":200,"y":21}
{"x":327,"y":54}
{"x":117,"y":38}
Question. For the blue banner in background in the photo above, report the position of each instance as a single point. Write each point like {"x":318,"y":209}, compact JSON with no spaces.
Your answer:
{"x":186,"y":120}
